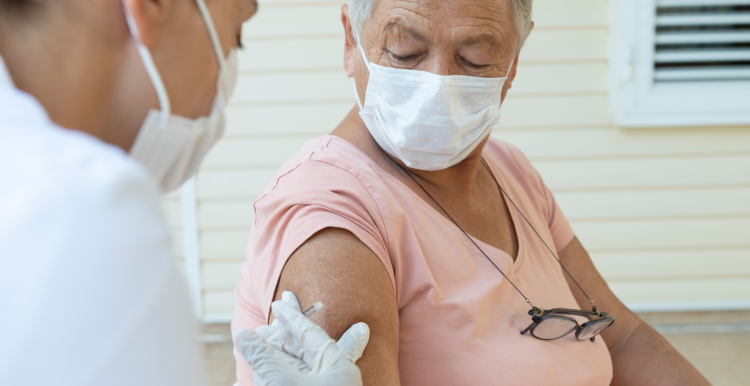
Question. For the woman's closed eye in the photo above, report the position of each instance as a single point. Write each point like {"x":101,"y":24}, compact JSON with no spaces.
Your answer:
{"x":472,"y":65}
{"x":408,"y":59}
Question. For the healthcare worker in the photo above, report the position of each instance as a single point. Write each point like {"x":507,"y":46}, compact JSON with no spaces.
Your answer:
{"x":105,"y":105}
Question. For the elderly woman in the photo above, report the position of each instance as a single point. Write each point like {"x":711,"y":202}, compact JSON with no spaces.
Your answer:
{"x":408,"y":217}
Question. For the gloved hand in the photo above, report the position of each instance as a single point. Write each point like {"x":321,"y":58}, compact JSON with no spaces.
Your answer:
{"x":304,"y":347}
{"x":352,"y":342}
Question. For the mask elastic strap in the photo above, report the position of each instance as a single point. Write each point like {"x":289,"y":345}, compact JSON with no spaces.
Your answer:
{"x":511,"y":67}
{"x":212,"y":32}
{"x":153,"y":73}
{"x":367,"y":63}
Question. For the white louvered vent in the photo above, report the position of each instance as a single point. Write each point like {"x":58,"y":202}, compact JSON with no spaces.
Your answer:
{"x":702,"y":40}
{"x":679,"y":63}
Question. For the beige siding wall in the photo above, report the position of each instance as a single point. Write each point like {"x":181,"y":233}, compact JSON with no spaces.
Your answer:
{"x":665,"y":213}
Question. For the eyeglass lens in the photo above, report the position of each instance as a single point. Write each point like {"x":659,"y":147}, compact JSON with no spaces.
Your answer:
{"x":593,"y":330}
{"x":553,"y":328}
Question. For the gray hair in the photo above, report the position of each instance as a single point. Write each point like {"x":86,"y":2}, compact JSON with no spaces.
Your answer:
{"x":360,"y":10}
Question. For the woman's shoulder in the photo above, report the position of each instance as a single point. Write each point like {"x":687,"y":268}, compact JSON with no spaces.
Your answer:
{"x":513,"y":164}
{"x":508,"y":154}
{"x":324,"y":164}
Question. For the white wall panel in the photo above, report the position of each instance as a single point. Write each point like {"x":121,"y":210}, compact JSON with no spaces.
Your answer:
{"x":569,"y":111}
{"x":219,"y":303}
{"x":570,"y":14}
{"x":664,"y":234}
{"x":225,"y":214}
{"x":610,"y":142}
{"x":650,"y":204}
{"x":640,"y":173}
{"x":565,"y":45}
{"x":253,"y":153}
{"x":224,"y":244}
{"x":292,"y":119}
{"x":294,"y":21}
{"x":655,"y":265}
{"x":313,"y":53}
{"x":682,"y":291}
{"x":221,"y":275}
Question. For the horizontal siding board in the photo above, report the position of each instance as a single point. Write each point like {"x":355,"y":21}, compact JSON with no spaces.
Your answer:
{"x":256,"y":152}
{"x":226,"y":214}
{"x":218,"y":302}
{"x":222,"y":275}
{"x":645,"y":173}
{"x":297,"y":20}
{"x":560,"y":79}
{"x":233,"y":184}
{"x":565,"y":45}
{"x":294,"y":86}
{"x":570,"y":13}
{"x":224,"y":244}
{"x":660,"y":291}
{"x":664,"y":234}
{"x":325,"y":52}
{"x":654,"y":204}
{"x":287,"y":119}
{"x":613,"y":142}
{"x":651,"y":265}
{"x":554,"y":111}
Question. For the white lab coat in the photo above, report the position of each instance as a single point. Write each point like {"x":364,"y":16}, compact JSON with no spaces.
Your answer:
{"x":89,"y":292}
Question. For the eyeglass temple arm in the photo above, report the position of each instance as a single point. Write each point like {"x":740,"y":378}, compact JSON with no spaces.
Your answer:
{"x":527,"y":328}
{"x":588,"y":314}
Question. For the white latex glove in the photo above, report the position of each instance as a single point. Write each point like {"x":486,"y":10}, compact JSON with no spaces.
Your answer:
{"x":328,"y":364}
{"x":352,"y":342}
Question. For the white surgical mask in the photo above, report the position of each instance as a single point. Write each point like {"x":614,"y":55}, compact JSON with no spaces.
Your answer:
{"x":172,"y":147}
{"x":429,"y":121}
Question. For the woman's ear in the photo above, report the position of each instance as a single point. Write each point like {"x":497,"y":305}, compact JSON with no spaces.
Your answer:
{"x":350,"y":42}
{"x":149,"y":16}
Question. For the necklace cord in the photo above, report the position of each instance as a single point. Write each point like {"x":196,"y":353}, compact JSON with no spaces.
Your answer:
{"x":537,"y":233}
{"x":459,"y":227}
{"x":480,"y":249}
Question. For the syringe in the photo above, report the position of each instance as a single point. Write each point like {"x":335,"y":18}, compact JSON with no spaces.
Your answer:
{"x":315,"y":307}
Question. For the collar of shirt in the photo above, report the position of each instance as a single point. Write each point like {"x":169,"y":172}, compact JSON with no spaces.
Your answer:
{"x":16,"y":106}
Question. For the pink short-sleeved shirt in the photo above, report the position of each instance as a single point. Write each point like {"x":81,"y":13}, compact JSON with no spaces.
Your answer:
{"x":459,"y":319}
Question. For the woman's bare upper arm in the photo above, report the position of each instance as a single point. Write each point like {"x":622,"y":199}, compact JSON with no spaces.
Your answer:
{"x":578,"y":262}
{"x":336,"y":268}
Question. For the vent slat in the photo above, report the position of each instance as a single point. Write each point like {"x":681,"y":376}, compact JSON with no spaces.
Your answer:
{"x":676,"y":56}
{"x":701,"y":41}
{"x":706,"y":37}
{"x":697,"y":74}
{"x":703,"y":19}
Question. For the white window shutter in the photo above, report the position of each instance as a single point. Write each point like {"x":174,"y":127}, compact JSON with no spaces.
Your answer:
{"x":680,"y":62}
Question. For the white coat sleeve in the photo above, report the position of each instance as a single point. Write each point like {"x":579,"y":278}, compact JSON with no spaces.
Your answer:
{"x":90,"y":292}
